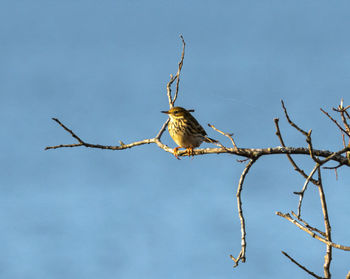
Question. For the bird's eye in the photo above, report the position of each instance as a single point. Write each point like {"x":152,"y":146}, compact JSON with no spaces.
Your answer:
{"x":176,"y":112}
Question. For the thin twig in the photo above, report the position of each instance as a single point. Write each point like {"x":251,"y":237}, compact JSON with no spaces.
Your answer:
{"x":309,"y":142}
{"x":301,"y":193}
{"x":83,"y":143}
{"x":161,"y":131}
{"x":230,"y":136}
{"x":328,"y":256}
{"x":343,"y":114}
{"x":333,"y":168}
{"x":345,"y":122}
{"x":68,"y":130}
{"x":177,"y":76}
{"x":301,"y":266}
{"x":336,"y":122}
{"x":241,"y":256}
{"x":308,"y":226}
{"x":296,"y":168}
{"x":313,"y":234}
{"x":291,"y":122}
{"x":179,"y":69}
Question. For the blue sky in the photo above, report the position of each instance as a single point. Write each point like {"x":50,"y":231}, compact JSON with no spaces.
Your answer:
{"x":101,"y":67}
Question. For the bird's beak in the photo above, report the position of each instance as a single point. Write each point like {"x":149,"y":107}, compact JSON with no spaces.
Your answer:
{"x":164,"y":111}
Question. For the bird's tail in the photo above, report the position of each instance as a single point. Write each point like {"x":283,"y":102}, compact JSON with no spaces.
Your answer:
{"x":209,"y":140}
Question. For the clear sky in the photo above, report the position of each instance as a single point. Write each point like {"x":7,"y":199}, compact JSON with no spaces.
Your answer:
{"x":101,"y":67}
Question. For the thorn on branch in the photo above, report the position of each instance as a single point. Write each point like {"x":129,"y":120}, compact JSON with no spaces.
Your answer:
{"x":243,"y":160}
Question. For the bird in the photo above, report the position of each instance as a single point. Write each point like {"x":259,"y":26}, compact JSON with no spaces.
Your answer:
{"x":185,"y":130}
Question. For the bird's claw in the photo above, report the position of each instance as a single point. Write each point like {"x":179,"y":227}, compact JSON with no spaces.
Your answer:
{"x":175,"y":152}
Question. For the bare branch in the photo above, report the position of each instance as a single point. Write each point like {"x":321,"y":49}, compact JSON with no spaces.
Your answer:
{"x":301,"y":193}
{"x":241,"y":255}
{"x":296,"y":168}
{"x":343,"y":114}
{"x":314,"y":235}
{"x":161,"y":131}
{"x":333,"y":168}
{"x":336,"y":122}
{"x":291,"y":122}
{"x":179,"y":69}
{"x":309,"y":142}
{"x":244,"y":152}
{"x":230,"y":136}
{"x":301,"y":266}
{"x":69,"y":131}
{"x":328,"y":256}
{"x":307,"y":225}
{"x":177,"y":76}
{"x":83,"y":143}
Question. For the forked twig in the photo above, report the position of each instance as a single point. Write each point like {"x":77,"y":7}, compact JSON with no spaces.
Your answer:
{"x":177,"y":76}
{"x":336,"y":122}
{"x":313,"y":234}
{"x":301,"y":193}
{"x":295,"y":166}
{"x":308,"y":226}
{"x":230,"y":136}
{"x":179,"y":69}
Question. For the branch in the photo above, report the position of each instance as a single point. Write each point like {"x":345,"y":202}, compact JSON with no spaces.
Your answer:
{"x":83,"y":143}
{"x":241,"y":255}
{"x":161,"y":131}
{"x":291,"y":122}
{"x":343,"y":114}
{"x":336,"y":123}
{"x":307,"y":225}
{"x":309,"y":142}
{"x":314,"y":235}
{"x":328,"y":256}
{"x":301,"y":193}
{"x":306,"y":134}
{"x":230,"y":136}
{"x":244,"y":152}
{"x":301,"y":266}
{"x":296,"y":168}
{"x":179,"y":68}
{"x":177,"y":76}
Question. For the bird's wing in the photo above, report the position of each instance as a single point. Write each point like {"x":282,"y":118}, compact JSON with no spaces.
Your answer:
{"x":195,"y":126}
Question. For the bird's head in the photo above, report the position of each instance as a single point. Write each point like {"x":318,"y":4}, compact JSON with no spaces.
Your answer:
{"x":177,"y":112}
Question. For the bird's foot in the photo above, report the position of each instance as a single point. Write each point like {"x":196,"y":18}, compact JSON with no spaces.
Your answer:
{"x":190,"y":152}
{"x":176,"y":149}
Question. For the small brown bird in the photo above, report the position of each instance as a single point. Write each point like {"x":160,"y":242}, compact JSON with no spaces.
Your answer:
{"x":185,"y":130}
